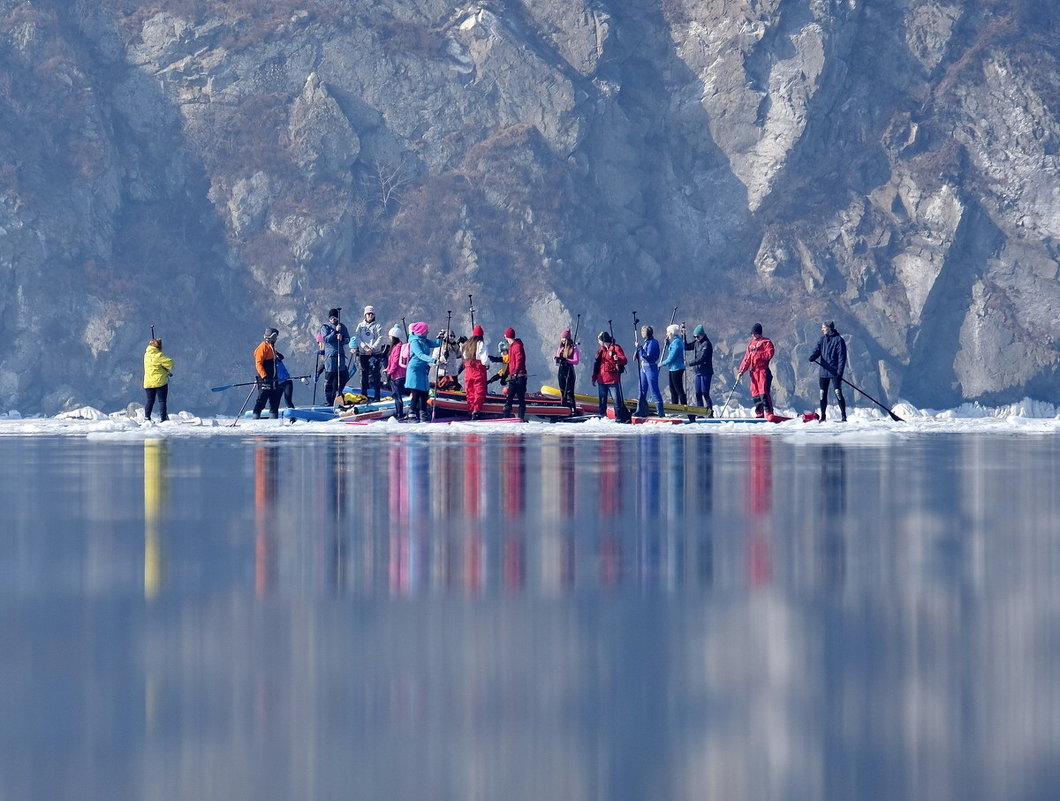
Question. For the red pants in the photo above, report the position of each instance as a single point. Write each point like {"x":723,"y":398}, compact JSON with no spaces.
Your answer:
{"x":475,"y":385}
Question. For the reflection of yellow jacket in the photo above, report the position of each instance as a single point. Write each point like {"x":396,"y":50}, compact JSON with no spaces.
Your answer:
{"x":157,"y":367}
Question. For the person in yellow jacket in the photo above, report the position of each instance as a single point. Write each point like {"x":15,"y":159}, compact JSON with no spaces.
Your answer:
{"x":157,"y":369}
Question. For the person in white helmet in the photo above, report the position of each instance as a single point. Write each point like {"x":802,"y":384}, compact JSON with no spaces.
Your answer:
{"x":371,"y":347}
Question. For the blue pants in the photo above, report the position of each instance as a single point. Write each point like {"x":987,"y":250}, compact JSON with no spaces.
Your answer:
{"x":620,"y":404}
{"x":649,"y":385}
{"x":703,"y":390}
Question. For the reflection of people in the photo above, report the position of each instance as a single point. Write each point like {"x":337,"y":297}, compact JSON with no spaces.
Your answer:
{"x":371,"y":347}
{"x":756,"y":361}
{"x":831,"y":355}
{"x":265,"y":364}
{"x":476,"y":365}
{"x":648,"y":353}
{"x":607,"y":375}
{"x":157,"y":369}
{"x":333,"y":336}
{"x":417,"y":380}
{"x":702,"y":362}
{"x":516,"y":375}
{"x":567,"y":356}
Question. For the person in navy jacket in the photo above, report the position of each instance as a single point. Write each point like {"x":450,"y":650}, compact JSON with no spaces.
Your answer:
{"x":831,"y":355}
{"x":648,"y":353}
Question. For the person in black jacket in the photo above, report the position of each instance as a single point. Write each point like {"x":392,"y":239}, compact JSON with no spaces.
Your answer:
{"x":831,"y":355}
{"x":702,"y":363}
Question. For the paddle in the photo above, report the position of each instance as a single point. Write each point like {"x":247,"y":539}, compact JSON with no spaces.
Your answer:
{"x":856,"y":388}
{"x":249,"y":383}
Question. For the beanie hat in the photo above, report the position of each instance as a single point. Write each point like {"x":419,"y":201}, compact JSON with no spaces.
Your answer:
{"x":396,"y":332}
{"x":830,"y":325}
{"x":565,"y":334}
{"x":509,"y":333}
{"x":419,"y":328}
{"x":756,"y":329}
{"x":605,"y":337}
{"x":698,"y":330}
{"x":369,"y":309}
{"x":477,"y":331}
{"x":333,"y":313}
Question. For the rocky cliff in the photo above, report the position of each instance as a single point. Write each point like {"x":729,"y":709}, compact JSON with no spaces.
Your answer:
{"x":212,"y":167}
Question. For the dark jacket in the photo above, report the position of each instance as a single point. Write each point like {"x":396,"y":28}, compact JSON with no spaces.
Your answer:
{"x":702,"y":355}
{"x":831,"y":351}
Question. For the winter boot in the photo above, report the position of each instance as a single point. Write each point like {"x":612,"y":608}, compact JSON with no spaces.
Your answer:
{"x":842,"y":412}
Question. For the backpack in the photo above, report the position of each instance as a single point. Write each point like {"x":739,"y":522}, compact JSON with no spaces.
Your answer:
{"x":404,"y":354}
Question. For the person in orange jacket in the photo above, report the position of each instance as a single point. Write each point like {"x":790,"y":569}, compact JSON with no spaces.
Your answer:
{"x":269,"y":390}
{"x":756,"y":361}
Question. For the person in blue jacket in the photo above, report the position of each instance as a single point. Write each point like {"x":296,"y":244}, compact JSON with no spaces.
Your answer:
{"x":335,"y":339}
{"x":831,"y":355}
{"x":702,"y":364}
{"x":674,"y":362}
{"x":648,"y":353}
{"x":417,"y":379}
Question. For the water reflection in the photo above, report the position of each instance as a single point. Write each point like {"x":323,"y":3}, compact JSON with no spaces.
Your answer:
{"x":530,"y":618}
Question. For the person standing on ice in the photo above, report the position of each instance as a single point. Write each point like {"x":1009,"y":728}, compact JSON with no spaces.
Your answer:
{"x":607,"y":375}
{"x":756,"y":361}
{"x":674,"y":362}
{"x":648,"y":353}
{"x":417,"y":379}
{"x":702,"y":363}
{"x":157,"y":369}
{"x":265,"y":364}
{"x":516,"y":375}
{"x":396,"y":368}
{"x":567,"y":356}
{"x":335,"y":337}
{"x":831,"y":355}
{"x":476,"y":360}
{"x":371,"y":347}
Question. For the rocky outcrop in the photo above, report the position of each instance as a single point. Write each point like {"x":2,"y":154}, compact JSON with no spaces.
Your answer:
{"x":209,"y":170}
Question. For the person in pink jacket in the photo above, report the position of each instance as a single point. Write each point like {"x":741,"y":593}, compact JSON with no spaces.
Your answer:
{"x":395,"y":370}
{"x":756,"y":362}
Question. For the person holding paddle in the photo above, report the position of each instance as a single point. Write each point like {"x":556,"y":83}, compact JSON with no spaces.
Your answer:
{"x":567,"y":356}
{"x":756,"y":361}
{"x":157,"y":369}
{"x":607,"y":375}
{"x":265,"y":365}
{"x":831,"y":355}
{"x":335,"y":338}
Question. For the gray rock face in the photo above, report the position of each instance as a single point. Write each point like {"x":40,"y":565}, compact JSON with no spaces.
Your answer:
{"x":208,"y":170}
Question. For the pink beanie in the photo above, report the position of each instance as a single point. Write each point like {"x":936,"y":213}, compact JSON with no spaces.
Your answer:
{"x":419,"y":328}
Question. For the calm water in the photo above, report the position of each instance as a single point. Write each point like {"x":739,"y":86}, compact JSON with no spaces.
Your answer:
{"x":624,"y":619}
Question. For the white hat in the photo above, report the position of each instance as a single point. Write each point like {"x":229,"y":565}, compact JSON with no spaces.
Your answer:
{"x":369,"y":309}
{"x":396,"y":332}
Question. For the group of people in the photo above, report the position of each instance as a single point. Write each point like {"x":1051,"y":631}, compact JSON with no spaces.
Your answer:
{"x":401,"y":362}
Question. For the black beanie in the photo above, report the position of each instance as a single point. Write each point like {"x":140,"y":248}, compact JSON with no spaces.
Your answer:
{"x":756,"y":329}
{"x":333,"y":313}
{"x":605,"y":337}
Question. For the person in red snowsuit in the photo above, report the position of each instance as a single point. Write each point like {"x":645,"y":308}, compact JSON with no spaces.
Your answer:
{"x":756,"y":361}
{"x":476,"y":365}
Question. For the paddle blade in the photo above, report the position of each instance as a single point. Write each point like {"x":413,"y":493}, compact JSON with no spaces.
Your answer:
{"x":220,"y":389}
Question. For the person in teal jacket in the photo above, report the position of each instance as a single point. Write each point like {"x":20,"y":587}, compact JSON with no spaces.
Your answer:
{"x":675,"y":363}
{"x":417,"y":379}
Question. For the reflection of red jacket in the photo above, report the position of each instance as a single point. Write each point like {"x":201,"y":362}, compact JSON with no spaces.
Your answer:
{"x":609,"y":360}
{"x":756,"y":360}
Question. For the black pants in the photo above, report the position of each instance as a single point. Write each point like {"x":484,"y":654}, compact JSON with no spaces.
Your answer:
{"x":397,"y":389}
{"x":287,"y":393}
{"x":677,"y":387}
{"x":516,"y":391}
{"x":837,"y":387}
{"x":268,"y":395}
{"x":370,"y":375}
{"x":162,"y":393}
{"x":418,"y":405}
{"x":566,"y":385}
{"x":334,"y":384}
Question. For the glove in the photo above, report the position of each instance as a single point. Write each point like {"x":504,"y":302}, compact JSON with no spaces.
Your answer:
{"x":559,"y":360}
{"x":813,"y":358}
